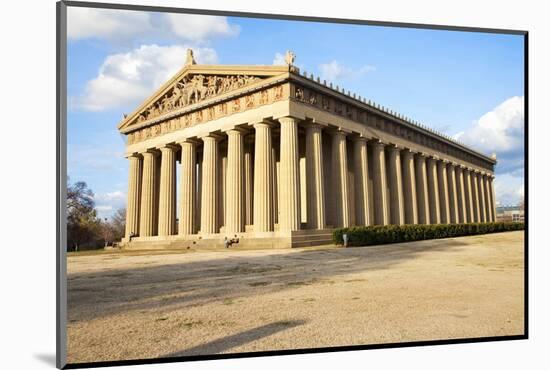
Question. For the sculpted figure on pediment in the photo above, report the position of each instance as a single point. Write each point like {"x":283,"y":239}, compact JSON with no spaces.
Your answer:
{"x":195,"y":88}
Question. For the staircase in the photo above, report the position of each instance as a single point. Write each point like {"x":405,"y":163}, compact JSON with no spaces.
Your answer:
{"x":310,"y":238}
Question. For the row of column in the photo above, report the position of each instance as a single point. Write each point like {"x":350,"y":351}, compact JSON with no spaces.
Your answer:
{"x":151,"y":208}
{"x":383,"y":184}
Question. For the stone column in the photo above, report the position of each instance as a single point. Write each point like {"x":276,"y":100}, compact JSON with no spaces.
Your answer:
{"x":422,"y":198}
{"x":290,"y":175}
{"x":409,"y":187}
{"x":315,"y":178}
{"x":263,"y":182}
{"x":379,"y":184}
{"x":134,"y":194}
{"x":148,"y":216}
{"x":397,"y":212}
{"x":493,"y":197}
{"x":198,"y":205}
{"x":487,"y":190}
{"x":188,"y":188}
{"x":444,"y":209}
{"x":361,"y":177}
{"x":481,"y":192}
{"x":249,"y":184}
{"x":209,"y":182}
{"x":222,"y":181}
{"x":453,"y":196}
{"x":167,"y":195}
{"x":340,"y":179}
{"x":469,"y":196}
{"x":433,"y":192}
{"x":461,"y":195}
{"x":234,"y":210}
{"x":275,"y":176}
{"x":475,"y":196}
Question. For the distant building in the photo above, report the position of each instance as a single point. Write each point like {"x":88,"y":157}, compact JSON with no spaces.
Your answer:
{"x":510,"y":213}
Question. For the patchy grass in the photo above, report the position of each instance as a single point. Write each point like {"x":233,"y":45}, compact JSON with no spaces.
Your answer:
{"x":260,"y":283}
{"x":228,"y":301}
{"x":189,"y":324}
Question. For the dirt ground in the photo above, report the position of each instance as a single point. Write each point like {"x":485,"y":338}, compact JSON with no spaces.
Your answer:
{"x":142,"y":305}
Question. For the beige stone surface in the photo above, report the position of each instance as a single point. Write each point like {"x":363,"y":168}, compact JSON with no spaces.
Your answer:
{"x":381,"y":214}
{"x":315,"y":184}
{"x":290,"y":175}
{"x":188,"y":189}
{"x":340,"y":183}
{"x":134,"y":195}
{"x":254,"y":161}
{"x":263,"y":174}
{"x":144,"y":305}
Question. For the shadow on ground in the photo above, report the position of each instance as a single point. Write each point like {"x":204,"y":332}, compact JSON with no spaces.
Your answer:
{"x":223,"y":344}
{"x":180,"y":285}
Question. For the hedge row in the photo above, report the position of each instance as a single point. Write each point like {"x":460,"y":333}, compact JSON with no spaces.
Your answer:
{"x":374,"y":235}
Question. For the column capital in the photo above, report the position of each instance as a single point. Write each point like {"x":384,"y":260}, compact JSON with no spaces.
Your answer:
{"x":134,"y":155}
{"x":211,"y":136}
{"x":188,"y":140}
{"x":167,"y":146}
{"x":235,"y":129}
{"x":261,"y":124}
{"x":359,"y":138}
{"x":394,"y":147}
{"x":153,"y":152}
{"x":337,"y":131}
{"x":377,"y":143}
{"x":312,"y":125}
{"x":288,"y":119}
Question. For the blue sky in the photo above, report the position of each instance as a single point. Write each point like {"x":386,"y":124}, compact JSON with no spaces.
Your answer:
{"x":467,"y":85}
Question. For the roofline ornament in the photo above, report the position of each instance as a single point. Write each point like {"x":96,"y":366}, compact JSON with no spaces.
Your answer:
{"x":190,"y":59}
{"x":290,"y":57}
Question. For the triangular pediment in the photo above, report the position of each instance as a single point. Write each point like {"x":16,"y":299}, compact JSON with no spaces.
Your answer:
{"x":196,"y":84}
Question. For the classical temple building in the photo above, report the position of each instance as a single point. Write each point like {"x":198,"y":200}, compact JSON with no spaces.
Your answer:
{"x":276,"y":158}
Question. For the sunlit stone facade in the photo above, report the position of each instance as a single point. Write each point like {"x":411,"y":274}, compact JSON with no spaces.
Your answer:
{"x":278,"y":159}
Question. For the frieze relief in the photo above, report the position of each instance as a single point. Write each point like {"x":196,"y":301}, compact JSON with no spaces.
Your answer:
{"x":335,"y":106}
{"x":213,"y":112}
{"x":193,"y":89}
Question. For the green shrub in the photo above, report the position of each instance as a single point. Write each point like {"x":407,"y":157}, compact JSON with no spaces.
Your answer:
{"x":374,"y":235}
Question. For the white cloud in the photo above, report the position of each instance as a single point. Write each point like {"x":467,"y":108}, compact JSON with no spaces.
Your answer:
{"x":509,"y":189}
{"x":336,"y":71}
{"x":125,"y":79}
{"x":104,"y":208}
{"x":279,"y":59}
{"x":500,"y":130}
{"x":116,"y":25}
{"x":110,"y":24}
{"x":199,"y":28}
{"x":118,"y":195}
{"x":107,"y":203}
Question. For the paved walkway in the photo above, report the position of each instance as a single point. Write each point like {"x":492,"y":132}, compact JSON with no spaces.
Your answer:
{"x":136,"y":305}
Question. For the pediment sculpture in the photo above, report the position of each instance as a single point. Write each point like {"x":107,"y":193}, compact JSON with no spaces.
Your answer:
{"x":193,"y":89}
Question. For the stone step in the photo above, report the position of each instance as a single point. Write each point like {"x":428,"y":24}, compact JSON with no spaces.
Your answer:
{"x":311,"y":232}
{"x":310,"y":243}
